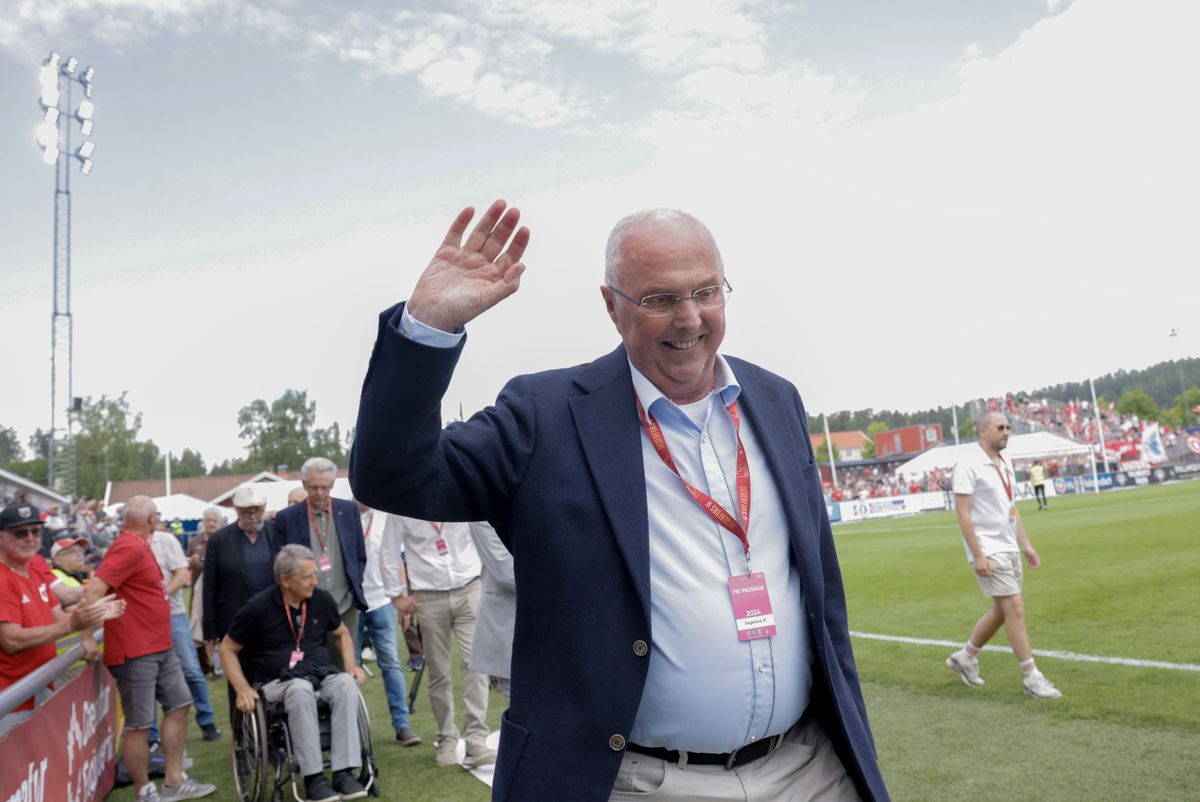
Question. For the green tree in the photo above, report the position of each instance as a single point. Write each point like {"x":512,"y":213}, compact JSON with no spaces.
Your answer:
{"x":187,"y":463}
{"x":1180,"y":415}
{"x":284,"y":432}
{"x":35,"y":470}
{"x":107,"y":447}
{"x":10,"y":446}
{"x":1138,"y":402}
{"x":822,"y":453}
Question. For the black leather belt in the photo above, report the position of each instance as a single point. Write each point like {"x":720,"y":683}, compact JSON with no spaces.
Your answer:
{"x":738,"y":757}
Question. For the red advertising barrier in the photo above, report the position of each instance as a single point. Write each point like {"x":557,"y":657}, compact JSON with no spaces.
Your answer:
{"x":66,"y":751}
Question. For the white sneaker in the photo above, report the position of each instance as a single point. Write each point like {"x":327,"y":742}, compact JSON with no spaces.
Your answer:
{"x":148,"y":793}
{"x":368,"y":654}
{"x":187,"y":789}
{"x":1037,"y":686}
{"x":966,"y":667}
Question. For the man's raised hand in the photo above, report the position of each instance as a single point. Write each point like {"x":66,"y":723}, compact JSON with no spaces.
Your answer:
{"x":465,"y":279}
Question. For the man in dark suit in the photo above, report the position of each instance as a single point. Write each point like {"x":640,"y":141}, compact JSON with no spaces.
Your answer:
{"x":238,"y":563}
{"x":332,"y":529}
{"x":650,"y":656}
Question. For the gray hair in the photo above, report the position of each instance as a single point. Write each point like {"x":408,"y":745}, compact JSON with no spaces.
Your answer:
{"x":613,"y":257}
{"x":317,"y":465}
{"x":217,"y":511}
{"x":288,"y":560}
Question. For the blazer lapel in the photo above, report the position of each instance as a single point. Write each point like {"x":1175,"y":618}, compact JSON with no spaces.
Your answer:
{"x":779,"y":434}
{"x":610,"y":436}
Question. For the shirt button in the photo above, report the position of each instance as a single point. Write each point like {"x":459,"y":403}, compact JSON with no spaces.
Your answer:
{"x":616,"y":743}
{"x":762,"y":668}
{"x":640,"y":648}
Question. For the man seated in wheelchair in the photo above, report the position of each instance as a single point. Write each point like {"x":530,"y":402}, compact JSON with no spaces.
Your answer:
{"x":277,"y":642}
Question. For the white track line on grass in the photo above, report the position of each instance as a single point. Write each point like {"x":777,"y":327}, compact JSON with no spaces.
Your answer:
{"x":1085,"y":658}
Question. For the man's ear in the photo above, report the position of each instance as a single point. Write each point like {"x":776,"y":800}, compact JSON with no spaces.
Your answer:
{"x":610,"y":303}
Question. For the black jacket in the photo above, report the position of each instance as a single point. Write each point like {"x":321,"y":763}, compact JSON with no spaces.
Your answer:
{"x":226,"y":588}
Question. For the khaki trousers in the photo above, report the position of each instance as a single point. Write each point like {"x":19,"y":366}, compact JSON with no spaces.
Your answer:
{"x":443,"y":614}
{"x":803,"y":768}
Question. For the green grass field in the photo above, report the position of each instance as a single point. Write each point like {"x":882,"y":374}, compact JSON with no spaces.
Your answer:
{"x":1120,"y":578}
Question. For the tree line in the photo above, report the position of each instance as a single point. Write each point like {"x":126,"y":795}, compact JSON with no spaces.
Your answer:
{"x":109,"y":447}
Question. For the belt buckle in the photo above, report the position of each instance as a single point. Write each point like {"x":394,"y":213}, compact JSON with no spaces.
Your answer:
{"x":729,"y":761}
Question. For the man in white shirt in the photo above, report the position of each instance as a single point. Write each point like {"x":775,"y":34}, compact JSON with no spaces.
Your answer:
{"x":994,"y":538}
{"x":385,"y":585}
{"x":443,"y":575}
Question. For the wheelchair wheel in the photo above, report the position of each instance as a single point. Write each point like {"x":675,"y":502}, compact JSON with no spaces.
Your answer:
{"x":368,"y":775}
{"x":251,"y":755}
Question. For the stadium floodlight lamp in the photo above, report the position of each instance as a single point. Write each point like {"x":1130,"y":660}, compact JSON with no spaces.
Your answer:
{"x":51,"y":115}
{"x":86,"y":149}
{"x":86,"y":167}
{"x":89,"y":90}
{"x":47,"y":135}
{"x":88,"y":75}
{"x":86,"y":127}
{"x":71,"y":65}
{"x":50,"y":155}
{"x":52,"y":60}
{"x":86,"y":109}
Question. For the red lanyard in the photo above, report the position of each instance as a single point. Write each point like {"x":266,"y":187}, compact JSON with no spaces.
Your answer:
{"x":1004,"y":480}
{"x":287,"y":611}
{"x":437,"y":526}
{"x":706,"y":503}
{"x":312,"y":520}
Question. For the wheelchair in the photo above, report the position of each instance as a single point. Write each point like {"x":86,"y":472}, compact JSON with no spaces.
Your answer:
{"x":264,"y":765}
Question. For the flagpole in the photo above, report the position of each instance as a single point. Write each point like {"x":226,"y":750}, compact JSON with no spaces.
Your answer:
{"x":1099,"y":425}
{"x":829,"y":448}
{"x":954,"y":416}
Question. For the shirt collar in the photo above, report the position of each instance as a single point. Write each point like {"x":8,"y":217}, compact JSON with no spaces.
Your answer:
{"x":727,"y":387}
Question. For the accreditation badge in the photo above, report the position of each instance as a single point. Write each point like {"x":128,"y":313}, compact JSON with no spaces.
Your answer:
{"x":751,"y":607}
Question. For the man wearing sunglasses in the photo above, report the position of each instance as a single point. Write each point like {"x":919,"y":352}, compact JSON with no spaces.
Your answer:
{"x":651,"y":658}
{"x":31,"y":619}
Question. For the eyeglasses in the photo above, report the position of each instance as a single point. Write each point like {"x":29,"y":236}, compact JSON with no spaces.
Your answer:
{"x":24,"y":532}
{"x":316,"y":488}
{"x":662,"y":304}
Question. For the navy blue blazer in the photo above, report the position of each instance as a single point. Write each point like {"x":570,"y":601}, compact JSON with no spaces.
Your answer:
{"x":292,"y":523}
{"x":556,"y":467}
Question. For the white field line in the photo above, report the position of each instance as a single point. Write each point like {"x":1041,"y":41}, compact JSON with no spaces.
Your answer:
{"x":1084,"y":658}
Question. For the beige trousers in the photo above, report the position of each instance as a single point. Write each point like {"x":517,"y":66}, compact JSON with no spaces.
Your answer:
{"x":442,"y":615}
{"x":804,"y":768}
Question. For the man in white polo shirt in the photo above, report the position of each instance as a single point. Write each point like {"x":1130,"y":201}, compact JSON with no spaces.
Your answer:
{"x":994,"y":539}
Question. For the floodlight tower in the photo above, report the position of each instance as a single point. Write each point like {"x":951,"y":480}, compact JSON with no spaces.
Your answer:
{"x":58,"y":78}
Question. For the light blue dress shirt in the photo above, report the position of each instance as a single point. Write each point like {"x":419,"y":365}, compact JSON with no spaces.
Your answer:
{"x":707,"y":691}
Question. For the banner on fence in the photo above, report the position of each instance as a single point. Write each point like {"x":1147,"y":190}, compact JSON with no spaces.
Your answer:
{"x":66,"y":751}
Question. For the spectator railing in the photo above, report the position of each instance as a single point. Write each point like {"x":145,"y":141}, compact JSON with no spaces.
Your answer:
{"x":29,"y":685}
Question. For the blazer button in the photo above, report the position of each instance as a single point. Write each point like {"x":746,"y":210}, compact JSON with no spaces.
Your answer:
{"x":616,"y":743}
{"x":640,"y":648}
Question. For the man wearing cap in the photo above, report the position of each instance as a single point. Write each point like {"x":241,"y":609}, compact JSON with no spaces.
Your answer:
{"x":66,"y":561}
{"x":31,"y":619}
{"x":238,"y":562}
{"x":138,"y":653}
{"x":332,"y":529}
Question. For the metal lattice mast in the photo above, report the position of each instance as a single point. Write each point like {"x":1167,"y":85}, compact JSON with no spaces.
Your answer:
{"x":54,"y":135}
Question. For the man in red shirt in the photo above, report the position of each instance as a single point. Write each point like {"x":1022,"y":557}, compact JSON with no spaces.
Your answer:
{"x":139,"y":653}
{"x":31,"y":619}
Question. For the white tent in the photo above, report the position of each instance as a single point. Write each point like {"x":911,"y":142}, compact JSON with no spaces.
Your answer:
{"x":1020,"y":447}
{"x":177,"y":505}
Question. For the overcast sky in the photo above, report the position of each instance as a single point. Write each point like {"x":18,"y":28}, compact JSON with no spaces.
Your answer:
{"x":918,"y":203}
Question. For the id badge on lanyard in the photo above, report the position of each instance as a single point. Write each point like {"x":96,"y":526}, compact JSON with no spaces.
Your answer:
{"x":752,"y":606}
